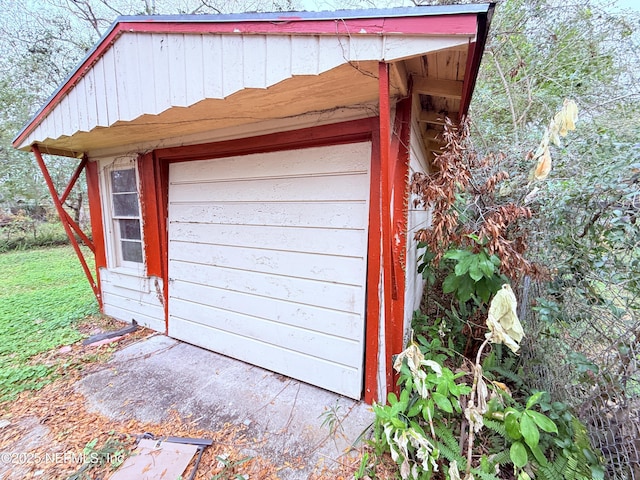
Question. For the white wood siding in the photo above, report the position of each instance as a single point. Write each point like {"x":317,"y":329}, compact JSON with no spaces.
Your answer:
{"x":267,"y":260}
{"x":418,"y":218}
{"x":145,"y":73}
{"x":126,"y":296}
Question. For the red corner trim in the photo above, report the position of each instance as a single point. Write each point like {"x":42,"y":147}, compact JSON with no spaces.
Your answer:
{"x":153,"y":199}
{"x":372,"y":332}
{"x":95,"y":211}
{"x":391,"y":326}
{"x":150,"y":216}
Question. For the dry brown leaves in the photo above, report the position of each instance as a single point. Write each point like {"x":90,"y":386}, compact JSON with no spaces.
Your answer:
{"x":460,"y":173}
{"x":48,"y":429}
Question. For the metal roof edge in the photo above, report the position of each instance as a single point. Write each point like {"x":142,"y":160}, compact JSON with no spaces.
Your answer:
{"x":292,"y":16}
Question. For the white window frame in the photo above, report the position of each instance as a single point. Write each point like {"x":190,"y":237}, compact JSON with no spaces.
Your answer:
{"x":115,"y":260}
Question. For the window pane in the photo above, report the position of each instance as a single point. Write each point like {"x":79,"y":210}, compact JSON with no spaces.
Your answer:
{"x":131,"y":251}
{"x":123,"y":180}
{"x":125,"y":204}
{"x":130,"y":229}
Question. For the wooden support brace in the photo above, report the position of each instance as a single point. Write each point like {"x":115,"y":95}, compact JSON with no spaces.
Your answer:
{"x":74,"y":179}
{"x":66,"y":220}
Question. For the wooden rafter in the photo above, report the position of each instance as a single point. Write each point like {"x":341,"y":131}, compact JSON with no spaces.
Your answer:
{"x":435,"y":118}
{"x":437,"y":88}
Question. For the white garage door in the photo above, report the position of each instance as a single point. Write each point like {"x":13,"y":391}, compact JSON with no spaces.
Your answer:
{"x":267,"y":260}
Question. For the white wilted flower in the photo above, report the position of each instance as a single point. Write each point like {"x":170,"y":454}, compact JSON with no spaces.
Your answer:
{"x":415,"y":360}
{"x":502,"y":320}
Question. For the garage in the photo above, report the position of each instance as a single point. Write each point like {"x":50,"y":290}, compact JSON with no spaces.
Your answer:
{"x":267,"y":260}
{"x":264,"y":160}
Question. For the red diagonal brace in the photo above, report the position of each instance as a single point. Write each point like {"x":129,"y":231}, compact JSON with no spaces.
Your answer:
{"x":74,"y":179}
{"x":65,"y":219}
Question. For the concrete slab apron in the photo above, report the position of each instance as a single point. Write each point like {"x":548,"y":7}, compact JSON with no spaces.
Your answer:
{"x":151,"y":378}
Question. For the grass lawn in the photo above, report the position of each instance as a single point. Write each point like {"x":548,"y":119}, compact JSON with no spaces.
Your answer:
{"x":43,"y":293}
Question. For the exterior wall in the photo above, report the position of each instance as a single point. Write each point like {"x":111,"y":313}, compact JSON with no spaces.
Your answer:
{"x":418,"y":218}
{"x":127,"y":296}
{"x":127,"y":292}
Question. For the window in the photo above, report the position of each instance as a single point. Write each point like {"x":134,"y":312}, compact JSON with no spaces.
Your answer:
{"x":126,"y":215}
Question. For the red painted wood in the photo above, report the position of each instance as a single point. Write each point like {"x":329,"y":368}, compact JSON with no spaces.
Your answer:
{"x":76,"y":228}
{"x":469,"y":83}
{"x":372,"y":330}
{"x":474,"y":57}
{"x":400,"y":151}
{"x":334,"y":134}
{"x":460,"y":24}
{"x":150,"y":216}
{"x":161,"y":179}
{"x":95,"y":212}
{"x":390,"y":323}
{"x":74,"y":179}
{"x":65,"y":224}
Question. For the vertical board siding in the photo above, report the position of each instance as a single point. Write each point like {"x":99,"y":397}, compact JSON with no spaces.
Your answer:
{"x":363,"y":48}
{"x":233,"y":65}
{"x":160,"y":76}
{"x":278,"y":59}
{"x":332,"y":52}
{"x":129,"y":87}
{"x":254,"y":53}
{"x":211,"y":67}
{"x":267,"y":260}
{"x":305,"y":53}
{"x":111,"y":90}
{"x":146,"y":78}
{"x":195,"y":83}
{"x":178,"y":70}
{"x":418,"y":219}
{"x":148,"y":73}
{"x":101,"y":94}
{"x":90,"y":96}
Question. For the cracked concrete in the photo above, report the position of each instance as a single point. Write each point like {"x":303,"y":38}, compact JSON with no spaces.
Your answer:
{"x":150,"y":378}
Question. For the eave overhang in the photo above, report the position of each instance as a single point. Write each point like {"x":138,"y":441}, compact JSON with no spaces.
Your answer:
{"x":344,"y":47}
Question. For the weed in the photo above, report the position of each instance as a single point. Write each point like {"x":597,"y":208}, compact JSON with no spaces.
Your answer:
{"x":110,"y":455}
{"x":331,"y":419}
{"x":229,"y":468}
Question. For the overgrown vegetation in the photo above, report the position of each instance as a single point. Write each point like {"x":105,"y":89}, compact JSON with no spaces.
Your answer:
{"x":42,"y":294}
{"x":462,"y":413}
{"x":23,"y":232}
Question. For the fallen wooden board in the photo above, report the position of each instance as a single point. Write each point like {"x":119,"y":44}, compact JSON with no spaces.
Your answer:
{"x":155,"y":460}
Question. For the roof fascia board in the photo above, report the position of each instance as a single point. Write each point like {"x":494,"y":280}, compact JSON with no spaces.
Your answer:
{"x":418,"y":11}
